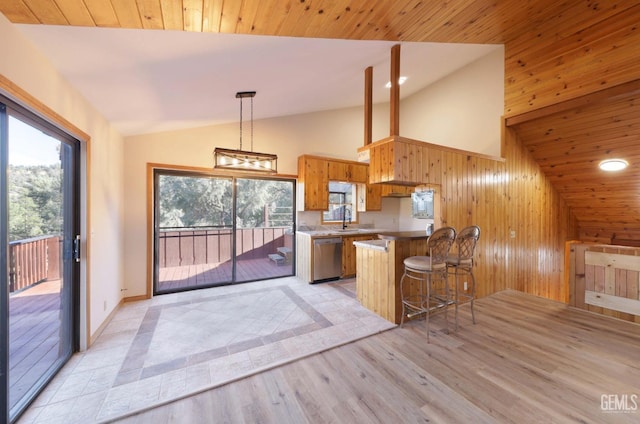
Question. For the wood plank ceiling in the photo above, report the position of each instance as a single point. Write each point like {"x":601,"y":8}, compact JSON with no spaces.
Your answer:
{"x":570,"y":140}
{"x":567,"y":142}
{"x":459,"y":21}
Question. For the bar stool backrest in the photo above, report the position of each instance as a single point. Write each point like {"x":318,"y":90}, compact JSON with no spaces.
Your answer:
{"x":439,"y":244}
{"x":466,"y":243}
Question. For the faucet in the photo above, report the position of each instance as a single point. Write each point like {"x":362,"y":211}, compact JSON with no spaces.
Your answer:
{"x":344,"y":217}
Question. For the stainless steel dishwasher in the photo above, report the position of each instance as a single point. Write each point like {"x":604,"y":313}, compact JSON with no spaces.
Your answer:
{"x":327,"y":259}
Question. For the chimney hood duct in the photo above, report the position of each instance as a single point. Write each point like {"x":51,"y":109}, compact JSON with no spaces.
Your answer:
{"x":389,"y":159}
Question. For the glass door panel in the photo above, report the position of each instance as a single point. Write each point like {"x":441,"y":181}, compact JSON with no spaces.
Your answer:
{"x":42,"y":224}
{"x":193,"y":231}
{"x":264,"y":229}
{"x":196,"y":241}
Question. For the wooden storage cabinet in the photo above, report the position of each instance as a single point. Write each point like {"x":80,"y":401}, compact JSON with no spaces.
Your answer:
{"x":347,"y":171}
{"x":394,"y":190}
{"x":314,"y":174}
{"x":369,"y":197}
{"x":313,"y":178}
{"x":349,"y":253}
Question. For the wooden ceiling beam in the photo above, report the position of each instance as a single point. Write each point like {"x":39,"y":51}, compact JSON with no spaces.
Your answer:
{"x":394,"y":124}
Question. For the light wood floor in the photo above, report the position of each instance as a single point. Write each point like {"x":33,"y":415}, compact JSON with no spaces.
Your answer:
{"x":527,"y":360}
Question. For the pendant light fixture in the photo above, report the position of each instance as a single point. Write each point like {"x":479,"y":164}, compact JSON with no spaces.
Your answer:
{"x":245,"y":160}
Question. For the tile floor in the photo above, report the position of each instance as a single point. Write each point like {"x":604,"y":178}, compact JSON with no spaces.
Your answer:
{"x":172,"y":346}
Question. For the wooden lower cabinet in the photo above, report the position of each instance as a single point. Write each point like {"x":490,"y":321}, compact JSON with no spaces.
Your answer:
{"x":349,"y":253}
{"x":379,"y":274}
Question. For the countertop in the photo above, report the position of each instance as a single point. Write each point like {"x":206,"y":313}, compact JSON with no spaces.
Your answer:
{"x":372,"y":244}
{"x":402,"y":235}
{"x":329,"y":232}
{"x":382,"y":233}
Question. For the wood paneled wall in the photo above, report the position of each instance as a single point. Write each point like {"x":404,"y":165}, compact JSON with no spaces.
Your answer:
{"x":505,"y":197}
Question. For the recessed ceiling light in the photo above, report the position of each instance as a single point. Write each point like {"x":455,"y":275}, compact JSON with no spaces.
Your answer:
{"x":401,"y":81}
{"x":613,"y":164}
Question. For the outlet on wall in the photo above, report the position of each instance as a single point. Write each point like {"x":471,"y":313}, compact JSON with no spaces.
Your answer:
{"x":465,"y":286}
{"x":104,"y":307}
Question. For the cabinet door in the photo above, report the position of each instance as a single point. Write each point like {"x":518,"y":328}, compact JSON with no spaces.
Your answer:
{"x":374,"y":197}
{"x":348,"y":257}
{"x":349,"y":253}
{"x":369,"y":198}
{"x":359,"y":173}
{"x":314,"y":174}
{"x":338,"y":171}
{"x":351,"y":172}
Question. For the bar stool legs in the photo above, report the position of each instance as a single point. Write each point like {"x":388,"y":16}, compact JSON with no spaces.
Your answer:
{"x":462,"y":264}
{"x":420,"y":273}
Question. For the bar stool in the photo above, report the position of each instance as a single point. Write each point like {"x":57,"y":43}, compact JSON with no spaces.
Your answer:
{"x":416,"y":291}
{"x":462,"y":264}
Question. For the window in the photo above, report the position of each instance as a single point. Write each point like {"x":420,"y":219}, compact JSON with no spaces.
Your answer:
{"x":342,"y":207}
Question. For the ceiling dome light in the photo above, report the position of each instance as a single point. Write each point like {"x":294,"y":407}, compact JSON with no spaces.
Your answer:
{"x":613,"y":164}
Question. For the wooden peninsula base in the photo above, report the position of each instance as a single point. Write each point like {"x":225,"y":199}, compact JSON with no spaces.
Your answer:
{"x":379,"y":268}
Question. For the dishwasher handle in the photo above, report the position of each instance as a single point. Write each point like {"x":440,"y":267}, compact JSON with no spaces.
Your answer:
{"x":333,"y":240}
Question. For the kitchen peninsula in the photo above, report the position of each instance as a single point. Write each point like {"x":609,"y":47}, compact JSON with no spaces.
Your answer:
{"x":379,"y":268}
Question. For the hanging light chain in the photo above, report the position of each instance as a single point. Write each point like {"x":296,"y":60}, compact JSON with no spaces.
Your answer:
{"x":252,"y":124}
{"x":240,"y":123}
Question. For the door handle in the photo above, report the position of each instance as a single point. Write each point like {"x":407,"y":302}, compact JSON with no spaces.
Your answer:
{"x":76,"y":248}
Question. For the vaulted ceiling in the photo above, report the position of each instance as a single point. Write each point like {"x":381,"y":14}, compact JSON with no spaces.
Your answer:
{"x":555,"y":53}
{"x":458,"y":21}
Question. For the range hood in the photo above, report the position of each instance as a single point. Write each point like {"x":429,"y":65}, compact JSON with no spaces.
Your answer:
{"x":394,"y":159}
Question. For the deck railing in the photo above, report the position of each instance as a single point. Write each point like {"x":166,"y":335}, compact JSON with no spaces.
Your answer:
{"x":33,"y":260}
{"x":193,"y":246}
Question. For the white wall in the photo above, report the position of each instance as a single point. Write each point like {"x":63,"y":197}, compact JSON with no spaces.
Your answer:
{"x":337,"y":134}
{"x":462,"y":110}
{"x":29,"y":70}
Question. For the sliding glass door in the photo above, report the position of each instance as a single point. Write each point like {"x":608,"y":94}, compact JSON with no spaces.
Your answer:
{"x":216,"y":230}
{"x":39,"y":270}
{"x":264,"y":228}
{"x":193,"y":231}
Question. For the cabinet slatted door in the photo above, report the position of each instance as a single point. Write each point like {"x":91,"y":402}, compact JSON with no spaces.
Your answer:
{"x":313,"y":174}
{"x":349,"y":253}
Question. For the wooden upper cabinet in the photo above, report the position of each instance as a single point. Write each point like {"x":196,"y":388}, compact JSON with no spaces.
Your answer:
{"x":359,"y":173}
{"x":369,"y":197}
{"x":374,"y":197}
{"x":351,"y":172}
{"x":314,"y":174}
{"x":337,"y":171}
{"x":395,"y":190}
{"x":313,"y":177}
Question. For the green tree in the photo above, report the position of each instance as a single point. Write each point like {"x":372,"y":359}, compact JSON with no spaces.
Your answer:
{"x":35,"y":201}
{"x":203,"y":201}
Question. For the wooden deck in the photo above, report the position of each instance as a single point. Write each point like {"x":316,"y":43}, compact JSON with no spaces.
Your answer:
{"x":204,"y":275}
{"x":34,"y":336}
